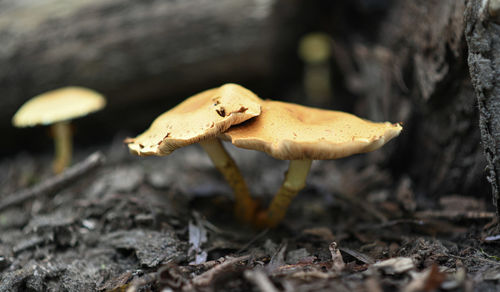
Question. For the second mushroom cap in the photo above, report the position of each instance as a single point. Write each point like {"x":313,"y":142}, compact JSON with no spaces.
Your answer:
{"x":292,"y":132}
{"x":58,"y":105}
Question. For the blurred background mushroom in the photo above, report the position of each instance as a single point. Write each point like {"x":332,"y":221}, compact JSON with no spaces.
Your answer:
{"x":57,"y":108}
{"x":389,"y":60}
{"x":315,"y":51}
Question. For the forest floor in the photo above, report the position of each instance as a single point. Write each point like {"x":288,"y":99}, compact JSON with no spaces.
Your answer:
{"x":166,"y":224}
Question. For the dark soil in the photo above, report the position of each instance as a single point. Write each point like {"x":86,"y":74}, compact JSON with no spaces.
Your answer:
{"x":165,"y":224}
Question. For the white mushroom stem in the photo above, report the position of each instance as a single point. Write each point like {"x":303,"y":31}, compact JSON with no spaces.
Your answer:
{"x":295,"y":180}
{"x":63,"y":146}
{"x":245,"y":206}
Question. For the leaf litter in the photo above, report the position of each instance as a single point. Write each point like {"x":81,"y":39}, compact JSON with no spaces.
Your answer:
{"x":122,"y":227}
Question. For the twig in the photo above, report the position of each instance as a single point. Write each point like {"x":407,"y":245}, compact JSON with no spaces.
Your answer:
{"x":192,"y":269}
{"x":455,"y":214}
{"x":261,"y":280}
{"x":54,"y":184}
{"x":206,"y":278}
{"x":366,"y":259}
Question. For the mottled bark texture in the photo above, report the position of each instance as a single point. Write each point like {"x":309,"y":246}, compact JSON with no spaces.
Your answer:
{"x":414,"y":70}
{"x":483,"y":37}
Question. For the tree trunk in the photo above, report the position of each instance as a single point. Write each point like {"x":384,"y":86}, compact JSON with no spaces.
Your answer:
{"x":483,"y":38}
{"x":414,"y":69}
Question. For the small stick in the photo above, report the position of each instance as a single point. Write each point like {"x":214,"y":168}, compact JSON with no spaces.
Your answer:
{"x":207,"y":277}
{"x":261,"y":280}
{"x":55,"y":183}
{"x":455,"y":214}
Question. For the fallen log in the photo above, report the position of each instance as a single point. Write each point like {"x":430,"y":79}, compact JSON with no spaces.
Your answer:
{"x":136,"y":52}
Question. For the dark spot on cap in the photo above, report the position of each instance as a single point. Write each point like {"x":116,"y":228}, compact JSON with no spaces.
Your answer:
{"x":242,"y":109}
{"x":140,"y":145}
{"x":221,"y":111}
{"x":216,"y":100}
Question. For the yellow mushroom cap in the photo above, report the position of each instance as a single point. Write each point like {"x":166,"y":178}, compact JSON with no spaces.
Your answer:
{"x":58,"y":105}
{"x":315,"y":47}
{"x":202,"y":116}
{"x":291,"y":132}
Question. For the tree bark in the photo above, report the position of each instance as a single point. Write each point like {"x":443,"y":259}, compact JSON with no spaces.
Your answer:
{"x":415,"y":70}
{"x":483,"y":39}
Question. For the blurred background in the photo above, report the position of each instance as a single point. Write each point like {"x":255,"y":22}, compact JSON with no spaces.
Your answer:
{"x":362,"y":56}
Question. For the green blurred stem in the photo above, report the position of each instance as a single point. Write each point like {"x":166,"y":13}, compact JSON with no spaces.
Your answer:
{"x":63,"y":146}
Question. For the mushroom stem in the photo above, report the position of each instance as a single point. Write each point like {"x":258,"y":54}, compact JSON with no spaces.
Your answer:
{"x":314,"y":49}
{"x":295,"y":180}
{"x":63,"y":146}
{"x":245,"y":206}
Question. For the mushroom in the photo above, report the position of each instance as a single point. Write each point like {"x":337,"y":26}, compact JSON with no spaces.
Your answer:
{"x":57,"y":108}
{"x":315,"y":51}
{"x":200,"y":119}
{"x":301,"y":134}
